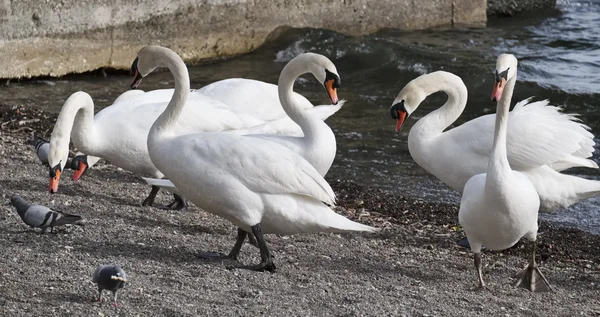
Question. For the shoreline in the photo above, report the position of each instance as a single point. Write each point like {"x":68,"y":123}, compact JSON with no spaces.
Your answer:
{"x":413,"y":266}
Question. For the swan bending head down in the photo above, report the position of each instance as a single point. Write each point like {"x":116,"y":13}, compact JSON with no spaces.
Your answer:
{"x":506,"y":69}
{"x":58,"y":154}
{"x":411,"y":96}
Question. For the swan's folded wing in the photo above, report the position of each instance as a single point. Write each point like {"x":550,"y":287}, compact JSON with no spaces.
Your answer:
{"x":263,"y":166}
{"x":253,"y":97}
{"x":538,"y":134}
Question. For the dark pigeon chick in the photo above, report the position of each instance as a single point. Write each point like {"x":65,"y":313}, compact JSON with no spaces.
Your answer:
{"x":38,"y":216}
{"x":109,"y":277}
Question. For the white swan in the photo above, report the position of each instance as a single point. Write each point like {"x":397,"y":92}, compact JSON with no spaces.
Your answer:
{"x":318,"y":144}
{"x":500,"y":207}
{"x":541,"y":141}
{"x":118,"y":132}
{"x":258,"y":185}
{"x":264,"y":99}
{"x":81,"y":162}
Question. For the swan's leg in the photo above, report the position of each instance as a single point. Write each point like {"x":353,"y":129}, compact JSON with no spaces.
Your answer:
{"x":532,"y":278}
{"x":252,"y":240}
{"x":99,"y":295}
{"x":150,"y":199}
{"x":477,"y":261}
{"x":266,"y":260}
{"x":233,"y":254}
{"x":178,"y":203}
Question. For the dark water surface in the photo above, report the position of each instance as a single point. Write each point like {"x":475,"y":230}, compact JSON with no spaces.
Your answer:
{"x":559,"y":59}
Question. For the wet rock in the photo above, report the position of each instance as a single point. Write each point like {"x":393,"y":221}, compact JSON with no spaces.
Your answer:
{"x":505,"y":8}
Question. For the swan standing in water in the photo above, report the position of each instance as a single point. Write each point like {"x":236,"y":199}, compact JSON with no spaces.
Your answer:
{"x":258,"y":185}
{"x":118,"y":133}
{"x":541,"y":141}
{"x":500,"y":207}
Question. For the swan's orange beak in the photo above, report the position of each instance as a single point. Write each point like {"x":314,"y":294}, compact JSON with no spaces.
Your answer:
{"x":398,"y":112}
{"x":498,"y":89}
{"x":79,"y":171}
{"x":400,"y":120}
{"x":137,"y":80}
{"x":137,"y":77}
{"x":331,"y":91}
{"x":53,"y":187}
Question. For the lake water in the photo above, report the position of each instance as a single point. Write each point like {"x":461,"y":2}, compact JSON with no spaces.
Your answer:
{"x":559,"y":59}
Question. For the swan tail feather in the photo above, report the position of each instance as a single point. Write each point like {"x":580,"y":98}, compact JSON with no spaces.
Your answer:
{"x":339,"y":223}
{"x":162,"y":183}
{"x":326,"y":111}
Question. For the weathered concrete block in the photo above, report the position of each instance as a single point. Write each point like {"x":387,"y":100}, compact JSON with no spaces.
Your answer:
{"x":57,"y":37}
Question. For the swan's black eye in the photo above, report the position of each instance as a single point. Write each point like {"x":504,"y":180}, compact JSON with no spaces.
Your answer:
{"x":501,"y":75}
{"x":397,"y":107}
{"x":54,"y":169}
{"x":337,"y":82}
{"x":134,"y":66}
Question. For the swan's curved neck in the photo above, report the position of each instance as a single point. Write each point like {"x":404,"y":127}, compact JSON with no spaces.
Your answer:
{"x":438,"y":120}
{"x":498,"y":164}
{"x":294,"y":69}
{"x":76,"y":122}
{"x":168,"y":118}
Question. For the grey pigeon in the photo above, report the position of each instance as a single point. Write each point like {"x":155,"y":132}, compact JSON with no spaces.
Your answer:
{"x":38,"y":216}
{"x":42,"y":147}
{"x":109,"y":277}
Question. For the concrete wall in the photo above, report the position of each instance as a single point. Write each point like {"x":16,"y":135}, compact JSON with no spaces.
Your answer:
{"x":57,"y":37}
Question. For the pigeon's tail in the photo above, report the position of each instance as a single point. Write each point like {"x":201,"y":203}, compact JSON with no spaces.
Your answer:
{"x":66,"y":219}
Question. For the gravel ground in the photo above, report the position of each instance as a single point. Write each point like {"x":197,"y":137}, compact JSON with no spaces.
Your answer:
{"x":413,"y":267}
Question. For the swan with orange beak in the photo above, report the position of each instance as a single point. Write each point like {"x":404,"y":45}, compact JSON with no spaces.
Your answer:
{"x":332,"y":82}
{"x":499,"y":85}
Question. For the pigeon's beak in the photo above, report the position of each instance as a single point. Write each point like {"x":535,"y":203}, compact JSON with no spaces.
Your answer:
{"x":82,"y":168}
{"x":53,"y":187}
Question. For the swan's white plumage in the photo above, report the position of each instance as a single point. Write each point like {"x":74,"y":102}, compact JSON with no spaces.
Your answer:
{"x":541,"y":140}
{"x":243,"y":179}
{"x":498,"y":215}
{"x":538,"y":134}
{"x":286,"y":126}
{"x":500,"y":206}
{"x":236,"y":93}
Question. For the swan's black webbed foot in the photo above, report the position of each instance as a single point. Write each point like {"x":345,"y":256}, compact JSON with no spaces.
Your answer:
{"x":531,"y":277}
{"x":233,"y":254}
{"x":266,"y":260}
{"x":178,"y":203}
